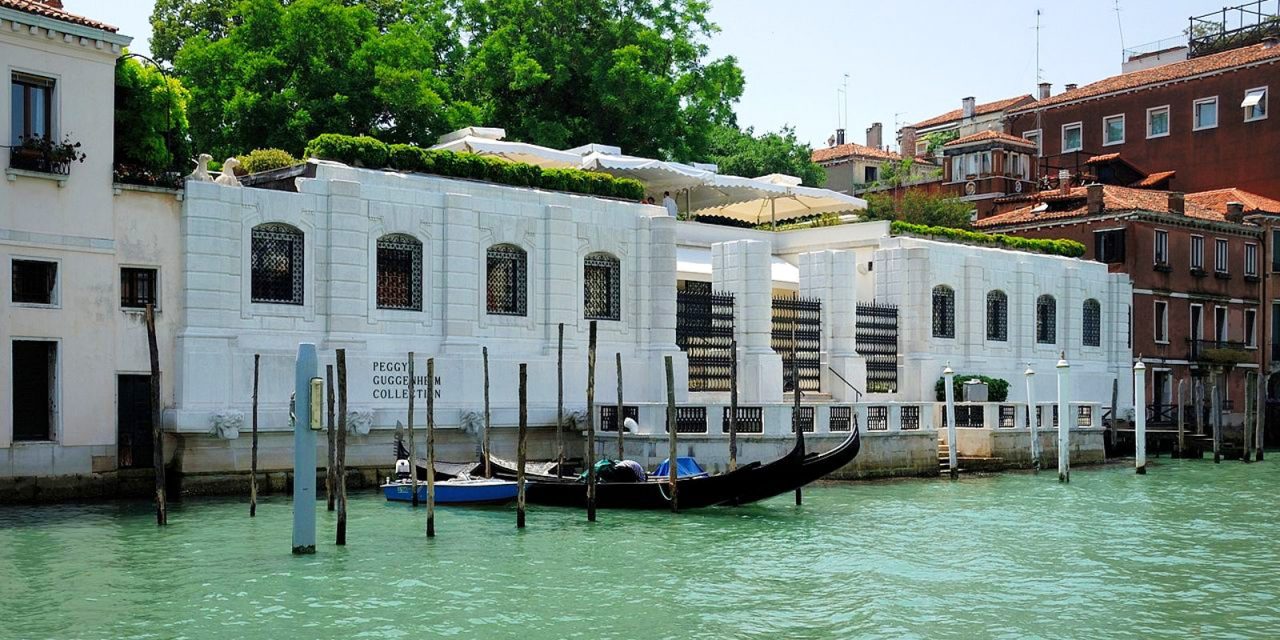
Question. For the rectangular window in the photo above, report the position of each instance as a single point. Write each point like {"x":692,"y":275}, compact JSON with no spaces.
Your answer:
{"x":137,"y":287}
{"x":986,"y":163}
{"x":1251,"y":260}
{"x":34,"y":390}
{"x":957,"y":169}
{"x":1113,"y":130}
{"x":1197,"y":322}
{"x":1275,"y":251}
{"x":1158,"y":122}
{"x":1220,"y":259}
{"x":1255,"y":104}
{"x":869,"y":174}
{"x":1072,"y":137}
{"x":1251,"y":328}
{"x":31,"y":107}
{"x":1108,"y":246}
{"x":1204,"y":113}
{"x":1162,"y":247}
{"x":508,"y":284}
{"x":35,"y":282}
{"x":1197,"y":252}
{"x":1162,"y":321}
{"x":1034,"y":136}
{"x":1221,"y":330}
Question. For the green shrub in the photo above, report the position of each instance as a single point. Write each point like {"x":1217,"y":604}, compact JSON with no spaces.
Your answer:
{"x":260,"y":160}
{"x":997,"y":388}
{"x":361,"y":151}
{"x":1067,"y":248}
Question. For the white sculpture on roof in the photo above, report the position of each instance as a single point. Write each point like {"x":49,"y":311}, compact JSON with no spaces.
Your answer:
{"x":201,"y":174}
{"x":228,"y":177}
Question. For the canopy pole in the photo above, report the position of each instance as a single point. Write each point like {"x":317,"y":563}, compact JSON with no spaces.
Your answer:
{"x":773,"y":214}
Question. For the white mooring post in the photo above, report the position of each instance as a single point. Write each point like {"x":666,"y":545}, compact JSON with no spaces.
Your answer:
{"x":1031,"y":418}
{"x":1064,"y":420}
{"x":952,"y":446}
{"x":1139,"y":416}
{"x":306,"y":421}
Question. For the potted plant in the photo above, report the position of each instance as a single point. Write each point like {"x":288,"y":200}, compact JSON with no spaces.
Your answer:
{"x":38,"y":153}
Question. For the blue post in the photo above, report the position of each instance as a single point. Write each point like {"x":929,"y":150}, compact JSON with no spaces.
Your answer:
{"x":304,"y":453}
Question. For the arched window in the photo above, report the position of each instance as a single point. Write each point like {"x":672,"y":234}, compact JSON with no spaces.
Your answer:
{"x":275,"y":264}
{"x":601,"y":296}
{"x":1092,"y":323}
{"x":399,"y":272}
{"x":508,"y":284}
{"x":1046,"y":320}
{"x":944,"y":312}
{"x":997,"y":316}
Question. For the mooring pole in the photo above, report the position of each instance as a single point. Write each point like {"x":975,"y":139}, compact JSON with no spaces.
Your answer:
{"x":341,"y":456}
{"x":949,"y":393}
{"x":618,"y":417}
{"x":488,"y":469}
{"x":431,"y":447}
{"x":521,"y":437}
{"x":1139,"y":417}
{"x":795,"y":403}
{"x":1215,"y":417}
{"x":253,"y":446}
{"x":673,"y":471}
{"x":1261,"y":424}
{"x":1249,"y":418}
{"x":413,"y":449}
{"x":304,"y":451}
{"x":330,"y":473}
{"x":1064,"y":420}
{"x":157,"y":429}
{"x":560,"y":403}
{"x":733,"y":405}
{"x":1182,"y":419}
{"x":591,"y":425}
{"x":1115,"y":416}
{"x":1032,"y":418}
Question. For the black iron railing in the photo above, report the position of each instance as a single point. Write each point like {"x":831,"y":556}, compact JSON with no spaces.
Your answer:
{"x":704,"y":331}
{"x":876,"y":329}
{"x":1222,"y":352}
{"x":1233,"y":27}
{"x":797,"y":329}
{"x":750,"y":420}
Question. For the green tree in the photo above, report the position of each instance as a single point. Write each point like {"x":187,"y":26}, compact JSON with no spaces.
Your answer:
{"x":150,"y":120}
{"x":173,"y":22}
{"x":742,"y":153}
{"x":917,"y":207}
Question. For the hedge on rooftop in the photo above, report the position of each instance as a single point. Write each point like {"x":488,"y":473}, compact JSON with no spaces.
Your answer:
{"x":1067,"y":248}
{"x":372,"y":153}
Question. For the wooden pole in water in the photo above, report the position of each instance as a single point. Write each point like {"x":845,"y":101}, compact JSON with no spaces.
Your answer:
{"x":157,"y":433}
{"x":488,"y":469}
{"x":619,"y":418}
{"x":341,"y":455}
{"x":733,"y":405}
{"x":330,"y":475}
{"x":1064,"y":420}
{"x":1115,"y":396}
{"x":1197,"y":404}
{"x":413,"y":449}
{"x":1139,"y":417}
{"x":949,"y":395}
{"x":591,"y":427}
{"x":253,"y":447}
{"x":1249,"y":417}
{"x":795,"y":405}
{"x":1033,"y":419}
{"x":1215,"y":416}
{"x":431,"y":447}
{"x":521,"y":438}
{"x":1182,"y":419}
{"x":560,"y":404}
{"x":1260,"y":424}
{"x":672,"y":467}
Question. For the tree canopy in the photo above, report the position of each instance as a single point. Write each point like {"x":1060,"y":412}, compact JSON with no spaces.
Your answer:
{"x":150,"y":120}
{"x":916,"y":207}
{"x":742,"y":153}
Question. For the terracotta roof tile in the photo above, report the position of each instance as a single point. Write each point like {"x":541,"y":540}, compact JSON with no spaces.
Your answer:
{"x":1106,"y":157}
{"x":980,"y":110}
{"x":1205,"y":205}
{"x":990,"y":135}
{"x":1154,"y":179}
{"x":1166,"y":73}
{"x":852,"y":149}
{"x":41,"y":9}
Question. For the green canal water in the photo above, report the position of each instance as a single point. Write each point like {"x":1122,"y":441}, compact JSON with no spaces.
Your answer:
{"x":1191,"y":550}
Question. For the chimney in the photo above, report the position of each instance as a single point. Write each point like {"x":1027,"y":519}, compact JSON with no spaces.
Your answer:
{"x":1235,"y":212}
{"x":1064,"y":181}
{"x":839,"y":136}
{"x":1044,"y":90}
{"x":967,"y":107}
{"x":1070,"y":87}
{"x":874,"y":135}
{"x":56,"y":4}
{"x":1177,"y":202}
{"x":907,"y":141}
{"x":1094,"y":201}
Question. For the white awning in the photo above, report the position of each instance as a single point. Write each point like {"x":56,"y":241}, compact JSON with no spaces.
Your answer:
{"x":1253,"y":98}
{"x":696,"y":261}
{"x":508,"y":150}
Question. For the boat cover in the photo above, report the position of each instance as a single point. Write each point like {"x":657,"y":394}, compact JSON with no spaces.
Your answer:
{"x":685,"y":468}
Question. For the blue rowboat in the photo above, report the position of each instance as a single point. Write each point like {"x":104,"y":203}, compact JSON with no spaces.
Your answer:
{"x":479,"y":491}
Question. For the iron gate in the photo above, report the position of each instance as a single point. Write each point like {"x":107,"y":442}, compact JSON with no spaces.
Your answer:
{"x":877,"y":336}
{"x":704,"y":331}
{"x":797,"y":328}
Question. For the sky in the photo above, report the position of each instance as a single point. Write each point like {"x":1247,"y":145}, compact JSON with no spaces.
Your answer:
{"x":905,"y":61}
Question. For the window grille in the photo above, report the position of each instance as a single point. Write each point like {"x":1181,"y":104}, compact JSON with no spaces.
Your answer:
{"x":1220,"y":255}
{"x":877,"y":418}
{"x":508,"y":281}
{"x":137,"y":287}
{"x":601,"y":298}
{"x":911,"y":418}
{"x":1008,"y":415}
{"x":804,"y":418}
{"x":944,"y":312}
{"x":841,"y":419}
{"x":1046,"y":320}
{"x":1092,"y":323}
{"x":276,"y":264}
{"x":609,"y":416}
{"x":876,"y":326}
{"x":1084,"y":416}
{"x":689,"y":420}
{"x":968,"y":416}
{"x":399,"y":272}
{"x":34,"y":281}
{"x":997,"y":316}
{"x":750,"y":420}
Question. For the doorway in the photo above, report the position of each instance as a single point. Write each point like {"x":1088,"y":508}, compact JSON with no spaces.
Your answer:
{"x":34,"y":390}
{"x":135,"y":443}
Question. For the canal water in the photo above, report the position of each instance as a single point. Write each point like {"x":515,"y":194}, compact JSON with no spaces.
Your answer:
{"x":1191,"y":550}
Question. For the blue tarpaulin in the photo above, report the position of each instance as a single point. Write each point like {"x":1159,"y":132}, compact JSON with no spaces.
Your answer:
{"x":685,"y":468}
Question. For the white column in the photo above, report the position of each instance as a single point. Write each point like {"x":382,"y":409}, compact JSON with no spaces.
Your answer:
{"x":1064,"y":420}
{"x":744,"y":269}
{"x":830,"y":276}
{"x":1139,"y":417}
{"x":460,"y":279}
{"x":1031,"y":418}
{"x":948,"y":376}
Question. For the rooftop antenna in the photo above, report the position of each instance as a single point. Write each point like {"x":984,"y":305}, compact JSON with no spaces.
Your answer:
{"x":842,"y":104}
{"x":1039,"y":79}
{"x":1120,"y":27}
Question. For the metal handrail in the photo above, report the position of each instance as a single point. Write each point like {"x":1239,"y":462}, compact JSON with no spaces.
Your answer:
{"x":857,"y":394}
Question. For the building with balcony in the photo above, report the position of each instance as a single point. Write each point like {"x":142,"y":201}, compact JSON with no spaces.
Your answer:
{"x":852,"y":168}
{"x":969,"y":119}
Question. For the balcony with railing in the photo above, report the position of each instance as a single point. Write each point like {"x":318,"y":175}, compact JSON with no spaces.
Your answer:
{"x":1218,"y":352}
{"x":1233,"y":27}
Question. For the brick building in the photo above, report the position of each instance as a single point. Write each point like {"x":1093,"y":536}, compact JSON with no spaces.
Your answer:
{"x":851,"y":167}
{"x":1196,"y":261}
